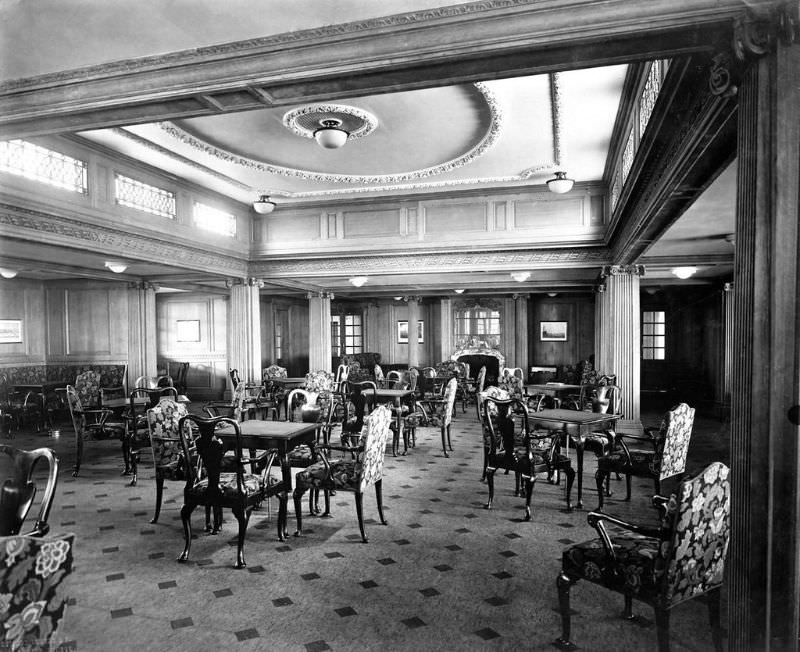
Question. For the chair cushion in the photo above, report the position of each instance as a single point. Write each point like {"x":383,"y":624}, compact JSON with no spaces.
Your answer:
{"x":228,"y":486}
{"x":633,"y":573}
{"x":617,"y":462}
{"x":301,"y":456}
{"x":345,"y":475}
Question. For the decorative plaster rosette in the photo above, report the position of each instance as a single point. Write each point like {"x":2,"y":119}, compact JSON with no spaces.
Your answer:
{"x":477,"y":151}
{"x":307,"y":119}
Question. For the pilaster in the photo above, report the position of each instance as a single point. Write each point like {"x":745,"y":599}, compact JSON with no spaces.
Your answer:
{"x":244,"y":329}
{"x":142,"y":350}
{"x":413,"y":340}
{"x":319,"y":331}
{"x":521,"y":340}
{"x":446,"y":348}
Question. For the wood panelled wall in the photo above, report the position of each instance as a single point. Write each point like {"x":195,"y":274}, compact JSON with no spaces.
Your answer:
{"x":207,"y":377}
{"x":578,"y":312}
{"x":24,"y":300}
{"x":293,"y":317}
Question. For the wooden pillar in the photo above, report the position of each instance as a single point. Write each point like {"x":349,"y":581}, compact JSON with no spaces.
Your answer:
{"x":618,"y":349}
{"x":413,"y":340}
{"x":319,"y":331}
{"x":244,"y":329}
{"x":764,"y":554}
{"x":726,"y":370}
{"x":447,"y":348}
{"x":142,"y":350}
{"x":521,"y":328}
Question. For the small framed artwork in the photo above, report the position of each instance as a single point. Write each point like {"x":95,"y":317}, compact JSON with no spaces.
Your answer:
{"x":10,"y":331}
{"x":402,"y":332}
{"x":187,"y":330}
{"x":553,"y":331}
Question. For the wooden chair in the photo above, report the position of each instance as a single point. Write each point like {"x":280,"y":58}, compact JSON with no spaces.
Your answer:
{"x":439,"y":412}
{"x":208,"y":485}
{"x":354,"y":474}
{"x":165,"y":442}
{"x":85,"y":422}
{"x":662,"y":566}
{"x":510,"y":445}
{"x":136,"y":435}
{"x":19,"y":490}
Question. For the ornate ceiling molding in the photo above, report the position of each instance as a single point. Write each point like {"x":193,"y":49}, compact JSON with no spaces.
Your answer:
{"x":433,"y":262}
{"x":357,"y":122}
{"x":31,"y":225}
{"x":555,"y":111}
{"x":486,"y":142}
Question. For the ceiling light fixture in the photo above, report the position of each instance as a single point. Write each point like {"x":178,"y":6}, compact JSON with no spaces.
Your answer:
{"x":263,"y":205}
{"x":552,"y":294}
{"x":684,"y":272}
{"x":560,"y":184}
{"x":331,"y":135}
{"x":116,"y":267}
{"x":520,"y":277}
{"x":358,"y":281}
{"x":461,"y":291}
{"x":5,"y":272}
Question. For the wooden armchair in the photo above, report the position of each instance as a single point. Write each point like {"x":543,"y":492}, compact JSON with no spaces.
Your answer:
{"x":19,"y":489}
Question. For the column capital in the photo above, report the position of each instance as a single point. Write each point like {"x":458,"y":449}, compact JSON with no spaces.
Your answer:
{"x":520,"y":295}
{"x":621,"y":270}
{"x":320,"y":295}
{"x":412,"y":297}
{"x":142,"y":285}
{"x":728,"y":287}
{"x":250,"y":282}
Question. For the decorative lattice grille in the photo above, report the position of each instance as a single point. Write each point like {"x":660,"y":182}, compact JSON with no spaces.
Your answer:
{"x":212,"y":219}
{"x":41,"y":164}
{"x":649,"y":95}
{"x":144,"y":197}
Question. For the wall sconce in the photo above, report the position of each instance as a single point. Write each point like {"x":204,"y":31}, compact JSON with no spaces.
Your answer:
{"x":358,"y":281}
{"x":5,"y":272}
{"x":520,"y":277}
{"x":116,"y":267}
{"x":684,"y":272}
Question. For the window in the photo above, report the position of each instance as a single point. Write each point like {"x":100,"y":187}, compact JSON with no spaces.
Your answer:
{"x":215,"y":220}
{"x":653,"y":335}
{"x":144,"y":197}
{"x":40,"y":164}
{"x":346,"y":334}
{"x":278,"y":340}
{"x":478,"y":326}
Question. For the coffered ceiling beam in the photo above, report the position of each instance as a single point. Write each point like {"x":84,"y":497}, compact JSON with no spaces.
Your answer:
{"x":455,"y":44}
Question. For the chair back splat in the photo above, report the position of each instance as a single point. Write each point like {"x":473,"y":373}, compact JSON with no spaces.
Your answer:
{"x":663,"y":566}
{"x":165,"y":442}
{"x":18,"y":491}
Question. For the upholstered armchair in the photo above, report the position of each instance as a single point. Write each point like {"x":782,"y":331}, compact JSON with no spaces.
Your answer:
{"x":33,"y":600}
{"x":490,"y":392}
{"x":670,"y":446}
{"x":86,"y":423}
{"x":19,"y":408}
{"x":512,"y":382}
{"x":509,"y":445}
{"x":234,"y":409}
{"x":439,"y":412}
{"x":682,"y":559}
{"x":165,"y":442}
{"x":19,"y":490}
{"x":274,"y":393}
{"x":353,"y":474}
{"x":136,"y":436}
{"x":208,"y":485}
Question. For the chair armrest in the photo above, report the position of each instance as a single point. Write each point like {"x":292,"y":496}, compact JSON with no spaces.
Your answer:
{"x":596,"y":520}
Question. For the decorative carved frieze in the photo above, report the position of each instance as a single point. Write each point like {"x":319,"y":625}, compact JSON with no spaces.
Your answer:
{"x":320,"y":295}
{"x":620,"y":270}
{"x":28,"y":224}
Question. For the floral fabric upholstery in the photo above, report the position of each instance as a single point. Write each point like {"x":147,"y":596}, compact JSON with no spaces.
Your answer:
{"x":320,"y":381}
{"x":443,"y":412}
{"x":228,"y":486}
{"x":675,"y":440}
{"x":685,"y":560}
{"x":512,"y":384}
{"x":274,"y":371}
{"x":87,"y":386}
{"x":162,"y":424}
{"x":642,"y":463}
{"x":32,"y":599}
{"x":75,"y":410}
{"x":301,"y":456}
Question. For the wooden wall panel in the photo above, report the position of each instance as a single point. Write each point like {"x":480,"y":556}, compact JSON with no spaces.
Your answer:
{"x":371,"y":223}
{"x":303,"y":227}
{"x":453,"y":217}
{"x":578,"y":312}
{"x":24,"y":301}
{"x":545,"y":213}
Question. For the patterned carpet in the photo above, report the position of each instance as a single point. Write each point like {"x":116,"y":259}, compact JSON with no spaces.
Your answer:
{"x":445,"y":574}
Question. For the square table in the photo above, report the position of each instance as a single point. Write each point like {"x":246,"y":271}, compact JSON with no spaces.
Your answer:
{"x":576,"y":424}
{"x":46,"y":390}
{"x":263,"y":435}
{"x":396,"y":397}
{"x":556,"y":390}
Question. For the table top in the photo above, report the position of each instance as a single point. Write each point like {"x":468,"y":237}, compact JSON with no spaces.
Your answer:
{"x":552,"y":387}
{"x":574,"y":417}
{"x":389,"y":393}
{"x":112,"y":403}
{"x":289,"y":380}
{"x":48,"y":385}
{"x":269,"y":429}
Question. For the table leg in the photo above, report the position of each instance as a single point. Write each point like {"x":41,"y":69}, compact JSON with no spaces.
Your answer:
{"x":579,"y":455}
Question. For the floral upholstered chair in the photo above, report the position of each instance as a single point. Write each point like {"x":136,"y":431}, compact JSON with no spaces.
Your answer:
{"x":670,"y":445}
{"x":353,"y":474}
{"x":512,"y":383}
{"x":86,"y":423}
{"x":274,"y":393}
{"x":32,"y":599}
{"x":165,"y":441}
{"x":209,"y":485}
{"x":439,"y":412}
{"x":233,"y":409}
{"x":490,"y":392}
{"x":662,"y":566}
{"x":19,"y":489}
{"x":509,"y":445}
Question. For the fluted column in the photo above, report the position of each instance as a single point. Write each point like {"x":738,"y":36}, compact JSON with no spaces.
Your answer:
{"x":763,"y":564}
{"x":521,"y":339}
{"x":319,"y":331}
{"x":413,"y":340}
{"x":446,"y":346}
{"x":619,"y":345}
{"x":726,"y":371}
{"x":244,"y":329}
{"x":142,"y":351}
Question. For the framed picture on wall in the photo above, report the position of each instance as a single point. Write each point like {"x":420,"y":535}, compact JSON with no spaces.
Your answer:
{"x":553,"y":331}
{"x":402,"y":332}
{"x":187,"y":330}
{"x":10,"y":331}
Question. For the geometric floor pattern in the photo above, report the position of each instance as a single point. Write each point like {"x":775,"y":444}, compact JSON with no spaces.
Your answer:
{"x":444,"y":574}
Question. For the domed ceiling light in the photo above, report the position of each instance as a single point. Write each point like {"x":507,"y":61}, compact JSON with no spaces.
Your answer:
{"x":358,"y":281}
{"x":520,"y":277}
{"x":115,"y":266}
{"x":263,"y":205}
{"x":331,"y":135}
{"x":5,"y":272}
{"x":684,"y":272}
{"x":560,"y":184}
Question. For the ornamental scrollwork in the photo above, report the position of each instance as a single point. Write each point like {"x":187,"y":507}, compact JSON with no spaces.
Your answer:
{"x":622,"y":270}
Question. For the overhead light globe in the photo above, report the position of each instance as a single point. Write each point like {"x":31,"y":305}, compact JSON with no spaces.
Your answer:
{"x":116,"y":267}
{"x":520,"y":277}
{"x":684,"y":272}
{"x":358,"y":281}
{"x":560,"y":184}
{"x":263,"y":205}
{"x":330,"y":135}
{"x":459,"y":291}
{"x":5,"y":272}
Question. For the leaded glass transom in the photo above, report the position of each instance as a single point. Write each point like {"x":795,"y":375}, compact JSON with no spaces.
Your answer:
{"x":31,"y":161}
{"x":144,"y":197}
{"x":649,"y":95}
{"x":215,"y":220}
